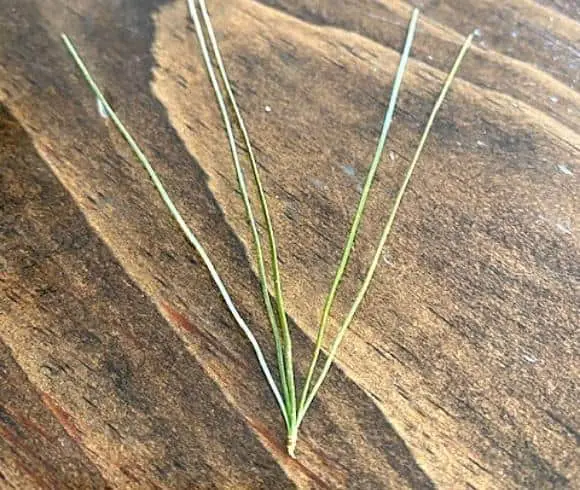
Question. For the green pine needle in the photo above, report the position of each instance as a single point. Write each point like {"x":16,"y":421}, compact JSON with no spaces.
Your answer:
{"x":181,"y":222}
{"x":361,"y":206}
{"x":293,"y":412}
{"x":386,"y":231}
{"x":282,"y":342}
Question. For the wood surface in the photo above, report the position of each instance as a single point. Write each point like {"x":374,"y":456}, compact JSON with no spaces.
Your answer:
{"x":120,"y":366}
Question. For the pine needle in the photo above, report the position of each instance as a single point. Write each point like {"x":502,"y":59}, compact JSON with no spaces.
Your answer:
{"x":292,"y":412}
{"x":386,"y":230}
{"x":283,"y":345}
{"x":182,"y":224}
{"x":361,"y":205}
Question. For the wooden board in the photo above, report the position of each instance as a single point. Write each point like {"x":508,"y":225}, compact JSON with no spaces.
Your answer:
{"x":120,"y":365}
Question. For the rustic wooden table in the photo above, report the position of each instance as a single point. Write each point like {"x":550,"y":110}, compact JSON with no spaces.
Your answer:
{"x":119,"y":364}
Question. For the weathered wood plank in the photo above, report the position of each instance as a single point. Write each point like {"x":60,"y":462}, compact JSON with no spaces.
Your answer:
{"x":460,"y":370}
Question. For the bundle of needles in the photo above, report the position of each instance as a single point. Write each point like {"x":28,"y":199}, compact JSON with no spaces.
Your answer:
{"x":293,"y":404}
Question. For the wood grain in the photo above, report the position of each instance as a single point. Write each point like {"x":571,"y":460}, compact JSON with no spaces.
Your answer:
{"x":120,"y":367}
